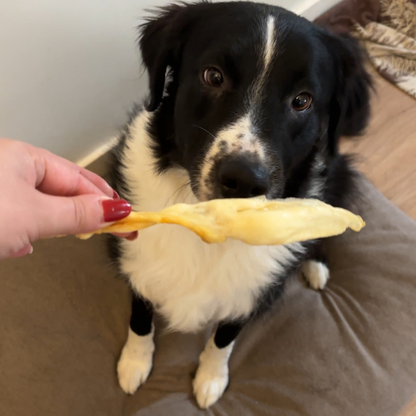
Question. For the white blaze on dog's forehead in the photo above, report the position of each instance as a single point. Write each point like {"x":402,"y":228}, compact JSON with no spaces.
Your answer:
{"x":270,"y":43}
{"x":268,"y":47}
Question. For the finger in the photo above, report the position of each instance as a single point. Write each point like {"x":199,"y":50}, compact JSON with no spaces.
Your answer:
{"x":58,"y":176}
{"x":28,"y":249}
{"x":77,"y":215}
{"x":99,"y":182}
{"x":61,"y":181}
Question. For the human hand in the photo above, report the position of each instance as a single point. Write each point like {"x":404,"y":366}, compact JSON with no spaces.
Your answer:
{"x":43,"y":195}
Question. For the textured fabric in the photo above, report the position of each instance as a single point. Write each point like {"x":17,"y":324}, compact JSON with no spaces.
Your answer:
{"x":348,"y":350}
{"x":391,"y":43}
{"x":387,"y":31}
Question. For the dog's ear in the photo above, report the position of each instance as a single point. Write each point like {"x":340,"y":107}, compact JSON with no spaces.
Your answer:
{"x":161,"y":39}
{"x":350,"y":105}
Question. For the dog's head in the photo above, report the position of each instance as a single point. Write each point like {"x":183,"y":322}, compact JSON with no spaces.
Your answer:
{"x":244,"y":92}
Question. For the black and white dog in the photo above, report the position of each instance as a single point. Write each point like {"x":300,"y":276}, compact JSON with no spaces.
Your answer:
{"x":246,"y":99}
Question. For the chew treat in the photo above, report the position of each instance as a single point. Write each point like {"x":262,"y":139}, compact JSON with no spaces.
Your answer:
{"x":255,"y":221}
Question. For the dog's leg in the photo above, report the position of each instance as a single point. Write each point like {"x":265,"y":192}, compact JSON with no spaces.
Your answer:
{"x":315,"y":268}
{"x":212,"y":376}
{"x":136,"y":358}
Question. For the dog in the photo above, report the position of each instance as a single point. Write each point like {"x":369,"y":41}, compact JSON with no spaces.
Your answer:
{"x":246,"y":99}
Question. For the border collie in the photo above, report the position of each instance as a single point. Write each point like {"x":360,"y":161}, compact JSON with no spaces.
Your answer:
{"x":246,"y":99}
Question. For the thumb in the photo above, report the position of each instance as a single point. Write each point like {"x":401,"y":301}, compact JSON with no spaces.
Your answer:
{"x":78,"y":214}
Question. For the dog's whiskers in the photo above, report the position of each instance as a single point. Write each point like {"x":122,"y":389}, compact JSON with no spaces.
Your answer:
{"x":177,"y":192}
{"x":205,"y":130}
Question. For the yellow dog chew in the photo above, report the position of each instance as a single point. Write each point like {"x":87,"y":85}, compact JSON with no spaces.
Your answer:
{"x":255,"y":221}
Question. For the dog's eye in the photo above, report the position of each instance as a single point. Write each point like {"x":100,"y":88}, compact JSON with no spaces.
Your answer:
{"x":213,"y":77}
{"x":302,"y":101}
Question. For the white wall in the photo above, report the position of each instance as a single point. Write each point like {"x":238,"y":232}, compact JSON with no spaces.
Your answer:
{"x":70,"y":69}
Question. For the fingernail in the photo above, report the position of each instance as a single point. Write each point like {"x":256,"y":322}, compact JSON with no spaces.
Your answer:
{"x":115,"y":209}
{"x":116,"y":195}
{"x":27,"y":249}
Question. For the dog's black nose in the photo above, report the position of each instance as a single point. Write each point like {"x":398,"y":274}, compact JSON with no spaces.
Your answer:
{"x":242,"y":178}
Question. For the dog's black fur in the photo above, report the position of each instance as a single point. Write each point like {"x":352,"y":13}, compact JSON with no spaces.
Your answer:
{"x":182,"y":41}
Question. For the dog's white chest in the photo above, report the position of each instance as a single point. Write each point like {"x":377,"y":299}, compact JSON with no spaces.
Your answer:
{"x":190,"y":282}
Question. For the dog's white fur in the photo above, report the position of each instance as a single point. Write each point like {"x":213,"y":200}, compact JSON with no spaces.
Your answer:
{"x":239,"y":137}
{"x":316,"y":274}
{"x":270,"y":43}
{"x":212,"y":376}
{"x":135,"y":362}
{"x":269,"y":50}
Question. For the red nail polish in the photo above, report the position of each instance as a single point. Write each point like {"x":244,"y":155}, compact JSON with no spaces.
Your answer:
{"x":115,"y":209}
{"x":116,"y":195}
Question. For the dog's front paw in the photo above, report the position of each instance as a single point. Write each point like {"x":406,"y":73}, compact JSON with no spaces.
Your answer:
{"x":135,"y":362}
{"x":211,"y":379}
{"x":209,"y":385}
{"x":316,"y":274}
